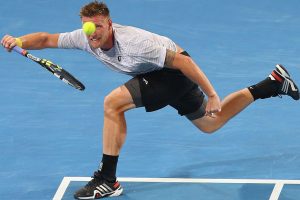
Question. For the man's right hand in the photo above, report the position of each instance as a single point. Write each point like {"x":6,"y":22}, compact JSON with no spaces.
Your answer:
{"x":8,"y":42}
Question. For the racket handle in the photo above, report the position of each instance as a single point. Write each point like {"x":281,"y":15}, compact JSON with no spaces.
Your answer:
{"x":20,"y":50}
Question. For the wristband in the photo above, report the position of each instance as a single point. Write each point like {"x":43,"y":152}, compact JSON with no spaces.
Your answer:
{"x":19,"y":42}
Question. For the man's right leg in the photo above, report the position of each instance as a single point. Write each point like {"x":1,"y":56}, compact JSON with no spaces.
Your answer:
{"x":114,"y":128}
{"x":104,"y":181}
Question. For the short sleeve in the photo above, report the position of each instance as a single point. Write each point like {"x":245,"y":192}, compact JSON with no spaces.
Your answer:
{"x":73,"y":40}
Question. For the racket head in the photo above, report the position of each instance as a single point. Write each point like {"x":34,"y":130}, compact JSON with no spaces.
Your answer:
{"x":62,"y":74}
{"x":69,"y":79}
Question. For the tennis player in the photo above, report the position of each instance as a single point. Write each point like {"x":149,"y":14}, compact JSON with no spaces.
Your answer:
{"x":163,"y":74}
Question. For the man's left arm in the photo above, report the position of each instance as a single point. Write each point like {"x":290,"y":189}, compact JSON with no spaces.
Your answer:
{"x":191,"y":70}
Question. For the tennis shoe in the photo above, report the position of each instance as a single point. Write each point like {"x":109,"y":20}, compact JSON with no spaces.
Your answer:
{"x":98,"y":188}
{"x":287,"y":85}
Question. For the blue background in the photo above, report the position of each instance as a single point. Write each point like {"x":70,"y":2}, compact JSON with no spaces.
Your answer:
{"x":49,"y":130}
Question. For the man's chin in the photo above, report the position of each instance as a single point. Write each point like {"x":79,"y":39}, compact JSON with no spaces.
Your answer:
{"x":95,"y":45}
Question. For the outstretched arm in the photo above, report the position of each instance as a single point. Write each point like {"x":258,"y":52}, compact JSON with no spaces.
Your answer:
{"x":39,"y":40}
{"x":190,"y":69}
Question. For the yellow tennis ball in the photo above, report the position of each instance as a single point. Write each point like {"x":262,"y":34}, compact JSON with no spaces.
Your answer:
{"x":89,"y":28}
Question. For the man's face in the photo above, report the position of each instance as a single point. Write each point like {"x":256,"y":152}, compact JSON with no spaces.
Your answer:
{"x":102,"y":37}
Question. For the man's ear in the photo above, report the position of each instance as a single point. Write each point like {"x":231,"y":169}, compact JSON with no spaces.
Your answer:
{"x":110,"y":22}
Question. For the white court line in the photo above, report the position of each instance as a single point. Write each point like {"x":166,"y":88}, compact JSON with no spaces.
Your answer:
{"x":62,"y":188}
{"x":276,"y":191}
{"x":274,"y":196}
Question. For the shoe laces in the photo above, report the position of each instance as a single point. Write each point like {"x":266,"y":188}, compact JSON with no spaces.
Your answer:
{"x":96,"y":180}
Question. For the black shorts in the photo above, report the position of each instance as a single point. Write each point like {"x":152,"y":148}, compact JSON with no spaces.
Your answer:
{"x":157,"y":89}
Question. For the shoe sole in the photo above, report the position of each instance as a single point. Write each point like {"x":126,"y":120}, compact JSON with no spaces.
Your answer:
{"x":288,"y":82}
{"x":116,"y":193}
{"x":280,"y":69}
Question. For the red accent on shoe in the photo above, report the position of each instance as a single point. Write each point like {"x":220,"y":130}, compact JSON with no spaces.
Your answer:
{"x":98,"y":195}
{"x":116,"y":184}
{"x":276,"y":76}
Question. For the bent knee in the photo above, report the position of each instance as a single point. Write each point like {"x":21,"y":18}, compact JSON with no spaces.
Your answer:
{"x":208,"y":125}
{"x":208,"y":130}
{"x":119,"y":100}
{"x":108,"y":102}
{"x":111,"y":102}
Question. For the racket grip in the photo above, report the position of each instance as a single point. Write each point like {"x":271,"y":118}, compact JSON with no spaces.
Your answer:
{"x":20,"y":50}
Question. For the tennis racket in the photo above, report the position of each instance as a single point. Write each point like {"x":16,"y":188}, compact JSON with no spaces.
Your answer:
{"x":53,"y":68}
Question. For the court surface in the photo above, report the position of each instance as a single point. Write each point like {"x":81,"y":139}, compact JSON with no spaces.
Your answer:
{"x":51,"y":134}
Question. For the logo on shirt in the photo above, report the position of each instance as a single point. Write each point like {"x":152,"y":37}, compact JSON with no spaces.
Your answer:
{"x":119,"y":58}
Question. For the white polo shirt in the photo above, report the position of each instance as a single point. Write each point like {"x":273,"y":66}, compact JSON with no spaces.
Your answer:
{"x":135,"y":51}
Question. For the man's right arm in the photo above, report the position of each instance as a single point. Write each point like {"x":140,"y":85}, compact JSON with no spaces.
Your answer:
{"x":39,"y":40}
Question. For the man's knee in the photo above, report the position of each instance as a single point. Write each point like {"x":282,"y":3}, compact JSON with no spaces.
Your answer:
{"x":208,"y":129}
{"x":208,"y":125}
{"x":119,"y":100}
{"x":111,"y":102}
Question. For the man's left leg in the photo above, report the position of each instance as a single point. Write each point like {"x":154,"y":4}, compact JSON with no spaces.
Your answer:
{"x":277,"y":83}
{"x":231,"y":106}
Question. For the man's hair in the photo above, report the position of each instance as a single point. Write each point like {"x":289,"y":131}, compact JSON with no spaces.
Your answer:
{"x":93,"y":9}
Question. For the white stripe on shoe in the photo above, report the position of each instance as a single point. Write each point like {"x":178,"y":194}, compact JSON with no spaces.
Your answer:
{"x":282,"y":71}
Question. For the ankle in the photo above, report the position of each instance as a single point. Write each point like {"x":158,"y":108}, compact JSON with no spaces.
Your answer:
{"x":108,"y":167}
{"x":264,"y":89}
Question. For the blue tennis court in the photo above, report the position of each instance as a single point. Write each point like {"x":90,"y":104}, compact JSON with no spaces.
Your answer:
{"x":51,"y":139}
